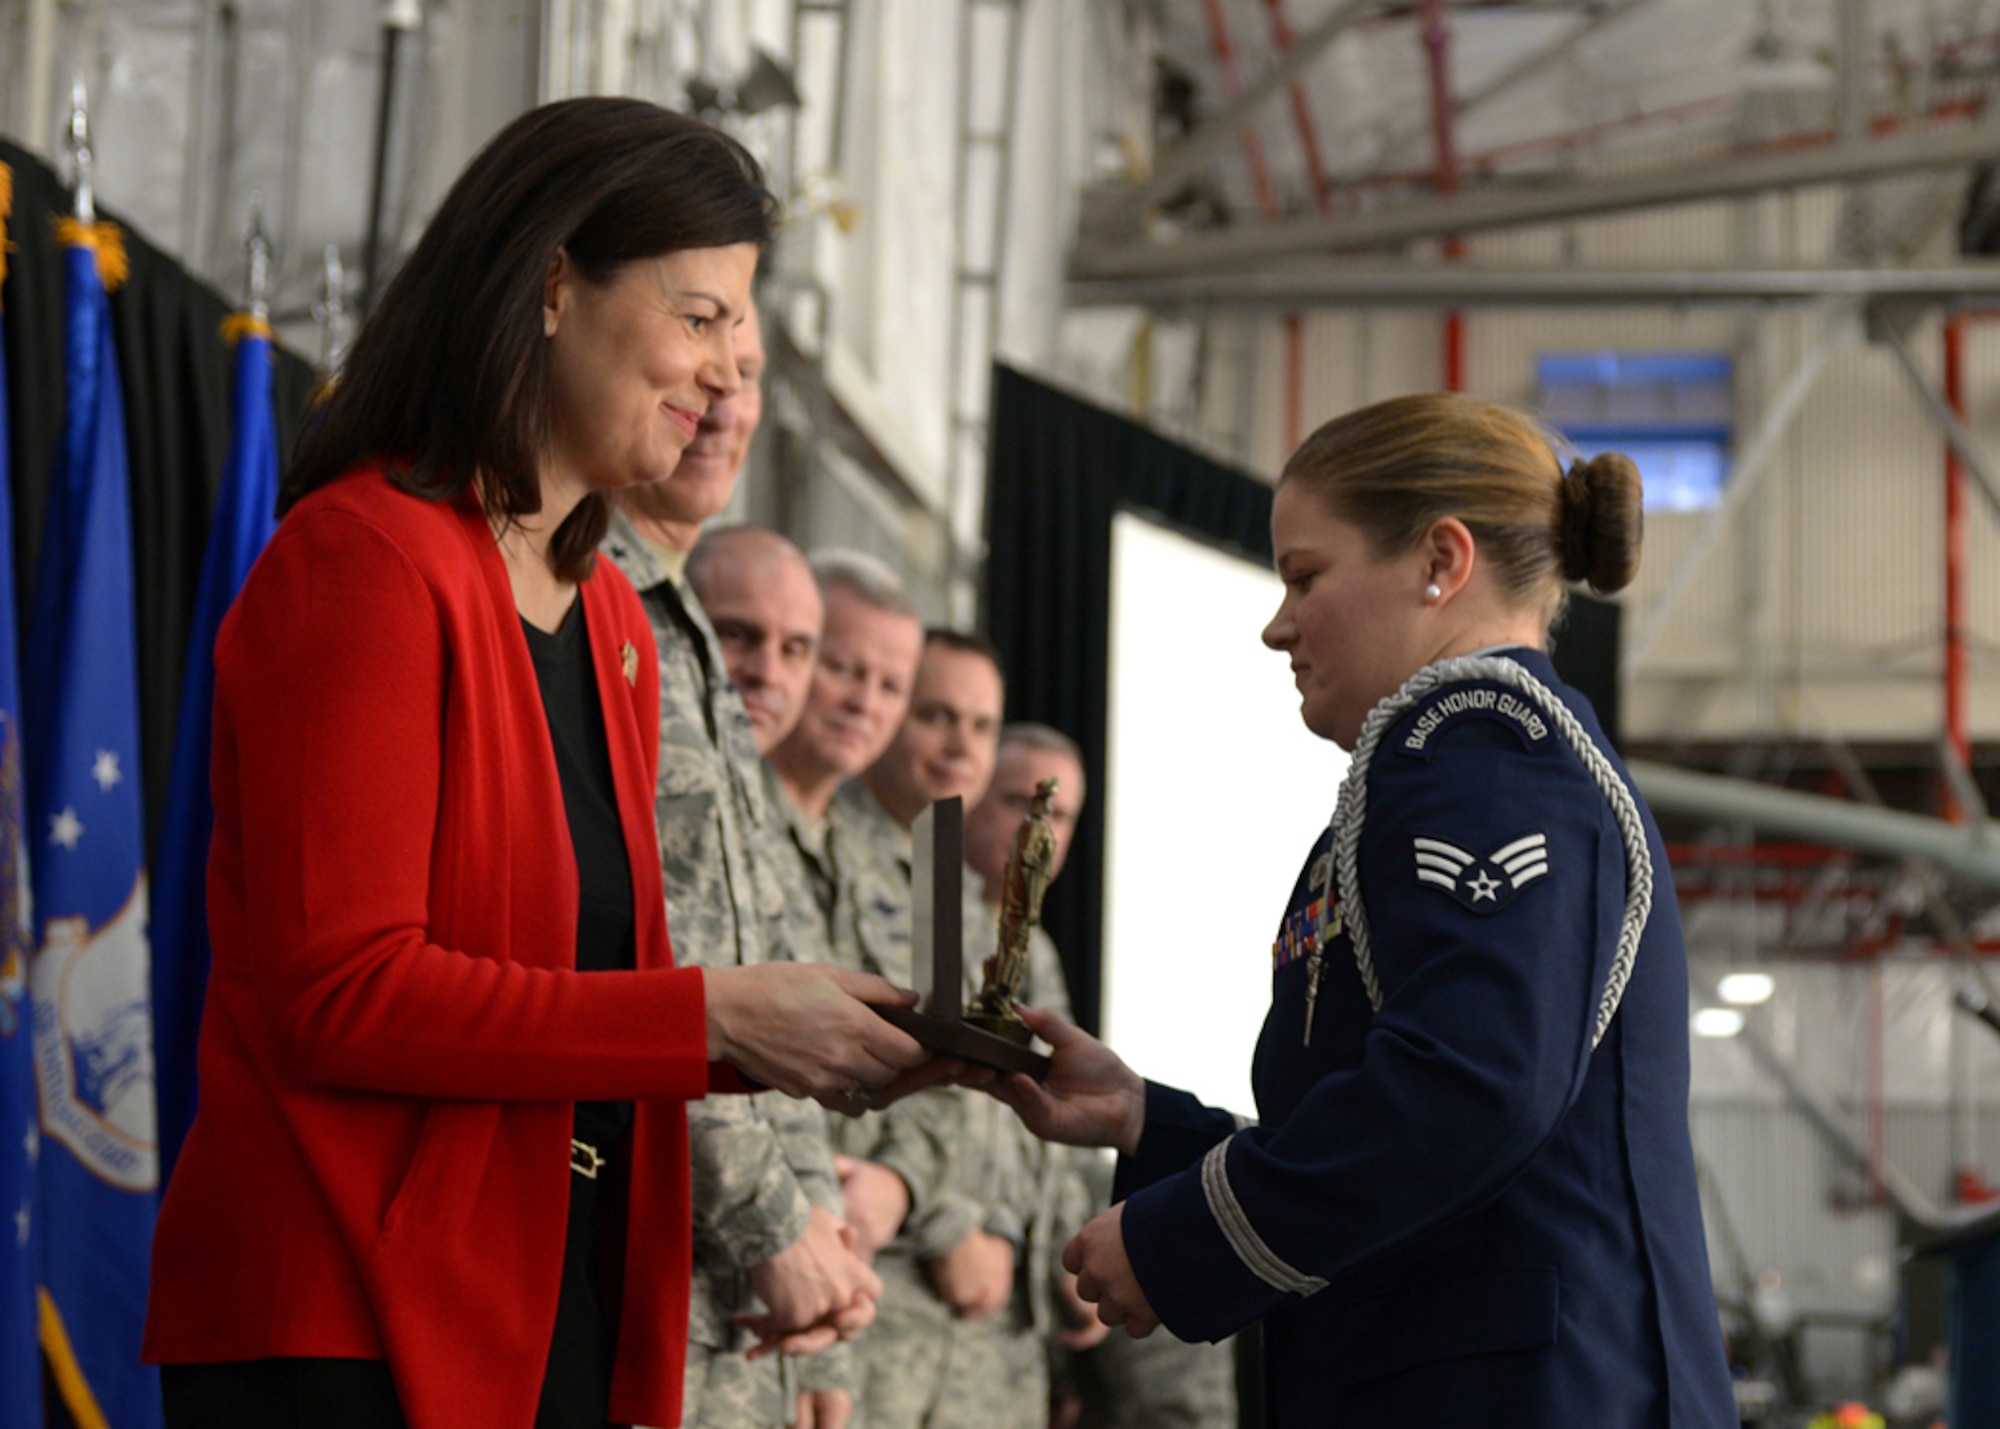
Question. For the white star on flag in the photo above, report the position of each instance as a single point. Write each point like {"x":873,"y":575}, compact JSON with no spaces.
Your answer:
{"x":105,"y":770}
{"x":33,"y":1142}
{"x":21,"y":1226}
{"x":65,"y":829}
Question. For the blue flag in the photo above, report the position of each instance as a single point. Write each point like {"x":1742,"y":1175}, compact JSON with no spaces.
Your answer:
{"x":245,"y":514}
{"x":99,"y":1172}
{"x":20,"y":1140}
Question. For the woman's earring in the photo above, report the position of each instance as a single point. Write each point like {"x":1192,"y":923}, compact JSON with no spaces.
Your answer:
{"x":1433,"y":593}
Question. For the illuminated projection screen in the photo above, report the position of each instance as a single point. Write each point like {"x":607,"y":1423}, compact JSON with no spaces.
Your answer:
{"x":1217,"y":792}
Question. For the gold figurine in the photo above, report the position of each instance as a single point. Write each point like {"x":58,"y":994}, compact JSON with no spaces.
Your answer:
{"x":1029,"y":864}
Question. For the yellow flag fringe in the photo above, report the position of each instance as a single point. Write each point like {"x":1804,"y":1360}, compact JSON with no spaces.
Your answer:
{"x":238,"y":326}
{"x":67,"y":1373}
{"x":6,"y":212}
{"x":107,"y":240}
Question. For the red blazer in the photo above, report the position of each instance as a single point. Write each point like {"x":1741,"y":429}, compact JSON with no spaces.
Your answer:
{"x":394,"y":1030}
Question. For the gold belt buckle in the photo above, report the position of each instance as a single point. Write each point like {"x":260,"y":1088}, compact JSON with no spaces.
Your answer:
{"x":584,"y":1158}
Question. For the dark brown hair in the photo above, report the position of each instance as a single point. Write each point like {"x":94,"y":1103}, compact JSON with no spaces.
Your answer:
{"x":449,"y":379}
{"x":1395,"y":468}
{"x":966,"y":642}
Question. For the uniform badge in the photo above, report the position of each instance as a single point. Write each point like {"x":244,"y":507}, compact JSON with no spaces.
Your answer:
{"x":1482,"y":883}
{"x":628,"y":661}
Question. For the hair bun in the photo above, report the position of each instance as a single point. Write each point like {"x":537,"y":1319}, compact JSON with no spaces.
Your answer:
{"x":1603,"y":519}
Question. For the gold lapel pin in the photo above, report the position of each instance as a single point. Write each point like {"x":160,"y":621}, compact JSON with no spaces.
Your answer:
{"x":628,"y":660}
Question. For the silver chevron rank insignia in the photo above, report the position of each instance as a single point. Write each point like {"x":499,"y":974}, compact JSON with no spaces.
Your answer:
{"x":1483,"y":884}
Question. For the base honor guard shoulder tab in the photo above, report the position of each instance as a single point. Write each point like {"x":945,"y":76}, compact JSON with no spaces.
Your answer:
{"x":1437,"y":712}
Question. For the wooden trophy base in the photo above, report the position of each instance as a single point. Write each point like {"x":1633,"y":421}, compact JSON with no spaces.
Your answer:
{"x":958,"y":1038}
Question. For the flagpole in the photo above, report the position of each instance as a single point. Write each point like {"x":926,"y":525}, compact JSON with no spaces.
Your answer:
{"x":98,"y":1165}
{"x":244,"y":515}
{"x":330,"y":312}
{"x":257,"y":248}
{"x":77,"y":143}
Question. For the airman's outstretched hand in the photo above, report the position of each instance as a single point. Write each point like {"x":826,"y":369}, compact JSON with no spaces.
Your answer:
{"x":1089,"y":1098}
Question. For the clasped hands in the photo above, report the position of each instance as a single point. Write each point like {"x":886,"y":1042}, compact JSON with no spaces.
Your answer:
{"x":974,"y":1278}
{"x":816,"y":1291}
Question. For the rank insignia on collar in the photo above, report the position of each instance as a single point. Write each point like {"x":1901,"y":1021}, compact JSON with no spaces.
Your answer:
{"x":1483,"y":884}
{"x":628,"y":661}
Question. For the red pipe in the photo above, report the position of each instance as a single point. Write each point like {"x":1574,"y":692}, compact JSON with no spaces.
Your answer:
{"x":1302,"y":119}
{"x":1232,"y":83}
{"x":1954,"y":564}
{"x":1267,"y":198}
{"x":1878,"y":1133}
{"x":1437,"y":39}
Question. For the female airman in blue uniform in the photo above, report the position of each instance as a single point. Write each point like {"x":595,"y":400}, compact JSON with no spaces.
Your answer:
{"x":1471,"y":1196}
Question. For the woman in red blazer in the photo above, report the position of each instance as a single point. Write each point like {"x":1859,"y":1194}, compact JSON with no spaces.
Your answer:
{"x":439,"y":1172}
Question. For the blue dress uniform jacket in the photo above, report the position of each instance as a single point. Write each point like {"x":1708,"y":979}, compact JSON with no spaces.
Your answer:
{"x":1462,"y":1206}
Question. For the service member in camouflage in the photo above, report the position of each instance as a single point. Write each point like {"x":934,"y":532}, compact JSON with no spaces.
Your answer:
{"x":1122,"y":1383}
{"x":853,"y":905}
{"x":768,"y":1228}
{"x":1156,"y":1383}
{"x":985,"y":1361}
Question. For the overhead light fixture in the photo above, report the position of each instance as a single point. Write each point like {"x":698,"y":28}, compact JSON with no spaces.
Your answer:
{"x":1718,"y":1022}
{"x":767,"y":84}
{"x":1746,"y":989}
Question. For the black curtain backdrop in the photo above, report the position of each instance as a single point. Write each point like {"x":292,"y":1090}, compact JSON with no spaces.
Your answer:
{"x":176,"y":373}
{"x":1058,"y":470}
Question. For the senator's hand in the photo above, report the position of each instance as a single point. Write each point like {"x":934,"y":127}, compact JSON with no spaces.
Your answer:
{"x":938,"y":1071}
{"x":976,"y":1276}
{"x":815,"y":1277}
{"x":1089,"y":1098}
{"x":1096,"y":1257}
{"x":877,"y":1201}
{"x":809,"y":1029}
{"x":823,"y":1409}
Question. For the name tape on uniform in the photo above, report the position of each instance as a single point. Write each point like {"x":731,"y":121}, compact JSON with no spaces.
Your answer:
{"x":1518,"y":714}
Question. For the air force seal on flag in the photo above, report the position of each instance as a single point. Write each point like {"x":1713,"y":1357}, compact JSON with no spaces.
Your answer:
{"x":1484,"y":884}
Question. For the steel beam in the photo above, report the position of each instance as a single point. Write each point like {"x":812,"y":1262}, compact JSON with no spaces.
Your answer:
{"x":1941,"y":415}
{"x":1524,"y":69}
{"x":1333,"y":284}
{"x":1954,"y":849}
{"x":1826,"y":1117}
{"x":1189,"y":157}
{"x":1551,"y":200}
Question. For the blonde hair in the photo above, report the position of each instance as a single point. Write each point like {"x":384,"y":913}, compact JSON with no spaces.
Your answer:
{"x":1394,"y":469}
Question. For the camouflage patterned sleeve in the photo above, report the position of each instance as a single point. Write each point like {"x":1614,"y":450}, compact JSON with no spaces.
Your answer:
{"x":946,"y":1223}
{"x":807,"y":1146}
{"x":913,"y":1138}
{"x":748,"y":1203}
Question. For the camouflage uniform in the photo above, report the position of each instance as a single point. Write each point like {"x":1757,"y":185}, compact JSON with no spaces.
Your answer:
{"x":1155,"y":1383}
{"x":921,"y":1366}
{"x":759,"y":1163}
{"x":844,"y":904}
